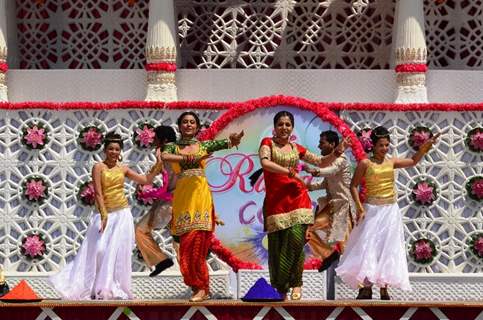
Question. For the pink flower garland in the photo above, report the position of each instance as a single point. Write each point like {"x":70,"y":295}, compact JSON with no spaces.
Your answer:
{"x":411,"y":68}
{"x":3,"y":67}
{"x":312,"y":264}
{"x":161,"y":66}
{"x":211,"y":105}
{"x":229,"y":258}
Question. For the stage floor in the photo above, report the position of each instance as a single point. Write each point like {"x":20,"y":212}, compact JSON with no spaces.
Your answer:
{"x":236,"y":309}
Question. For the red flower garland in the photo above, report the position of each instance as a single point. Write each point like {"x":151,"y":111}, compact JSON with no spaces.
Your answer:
{"x":3,"y":67}
{"x":210,"y":105}
{"x":161,"y":66}
{"x":411,"y":68}
{"x":229,"y":258}
{"x":312,"y":264}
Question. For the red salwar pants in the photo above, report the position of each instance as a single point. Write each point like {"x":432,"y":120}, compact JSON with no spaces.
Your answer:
{"x":193,"y":249}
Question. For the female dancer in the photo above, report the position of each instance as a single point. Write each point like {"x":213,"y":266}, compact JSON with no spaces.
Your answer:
{"x":375,"y":253}
{"x":102,"y":267}
{"x":193,"y":214}
{"x":287,"y":207}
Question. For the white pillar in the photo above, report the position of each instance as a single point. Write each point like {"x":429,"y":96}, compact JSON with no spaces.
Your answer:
{"x":410,"y":52}
{"x":161,"y":52}
{"x":3,"y":52}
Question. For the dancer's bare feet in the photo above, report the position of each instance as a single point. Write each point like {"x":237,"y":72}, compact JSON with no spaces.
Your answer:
{"x":296,"y":293}
{"x":199,"y":296}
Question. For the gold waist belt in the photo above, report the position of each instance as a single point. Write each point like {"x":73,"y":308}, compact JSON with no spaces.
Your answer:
{"x":191,"y":173}
{"x":381,"y":201}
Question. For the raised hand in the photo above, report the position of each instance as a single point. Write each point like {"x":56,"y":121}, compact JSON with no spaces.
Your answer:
{"x":347,"y":142}
{"x":235,"y":138}
{"x":429,"y":143}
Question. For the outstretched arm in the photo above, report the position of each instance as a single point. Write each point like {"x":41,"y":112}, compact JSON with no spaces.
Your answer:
{"x":148,"y":177}
{"x":214,"y":145}
{"x":322,"y":161}
{"x":423,"y":149}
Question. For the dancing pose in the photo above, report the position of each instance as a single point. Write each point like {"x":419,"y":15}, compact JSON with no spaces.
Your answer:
{"x":193,"y":212}
{"x":160,"y":213}
{"x":102,"y":267}
{"x":335,"y":213}
{"x":375,"y":253}
{"x":287,"y":207}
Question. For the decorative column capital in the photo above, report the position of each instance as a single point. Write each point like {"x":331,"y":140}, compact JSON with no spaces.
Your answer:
{"x":410,"y":52}
{"x":161,"y":52}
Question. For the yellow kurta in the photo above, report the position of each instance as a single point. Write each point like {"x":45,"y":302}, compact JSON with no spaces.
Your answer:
{"x":192,"y":200}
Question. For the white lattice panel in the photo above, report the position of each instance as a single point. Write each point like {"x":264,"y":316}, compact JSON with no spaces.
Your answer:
{"x":62,"y":219}
{"x":453,"y":217}
{"x":314,"y":287}
{"x":449,"y":222}
{"x":427,"y":287}
{"x":283,"y":34}
{"x":168,"y":285}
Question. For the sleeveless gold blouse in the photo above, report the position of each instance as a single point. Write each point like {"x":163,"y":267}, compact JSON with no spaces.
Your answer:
{"x":380,"y":183}
{"x":112,"y":181}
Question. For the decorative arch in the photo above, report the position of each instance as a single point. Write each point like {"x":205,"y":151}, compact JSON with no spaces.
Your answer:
{"x":319,"y":109}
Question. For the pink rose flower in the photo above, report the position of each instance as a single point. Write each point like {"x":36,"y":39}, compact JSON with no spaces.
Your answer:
{"x":477,"y":188}
{"x":92,"y":138}
{"x":88,"y":194}
{"x":422,"y":250}
{"x":35,"y":190}
{"x":479,"y":246}
{"x":35,"y":136}
{"x":476,"y":140}
{"x":34,"y":246}
{"x":145,"y":136}
{"x":420,"y":137}
{"x":365,"y":139}
{"x":146,"y":193}
{"x":424,"y":193}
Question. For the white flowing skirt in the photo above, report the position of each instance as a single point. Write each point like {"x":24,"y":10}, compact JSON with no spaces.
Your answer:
{"x":102,"y":266}
{"x":376,"y":250}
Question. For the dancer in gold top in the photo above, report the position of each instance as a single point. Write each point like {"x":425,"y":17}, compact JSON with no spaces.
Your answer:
{"x":374,"y":253}
{"x":102,"y":266}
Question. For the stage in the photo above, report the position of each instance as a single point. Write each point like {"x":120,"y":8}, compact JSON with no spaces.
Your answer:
{"x":236,"y":309}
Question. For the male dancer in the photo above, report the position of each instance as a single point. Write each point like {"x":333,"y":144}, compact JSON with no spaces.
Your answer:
{"x":335,"y":213}
{"x":160,"y":213}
